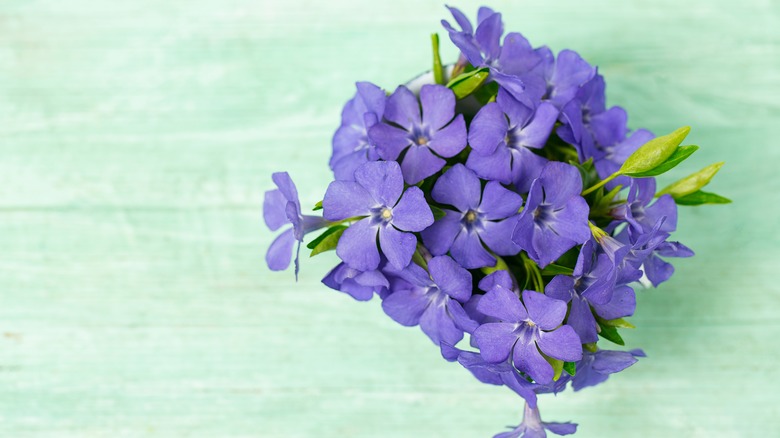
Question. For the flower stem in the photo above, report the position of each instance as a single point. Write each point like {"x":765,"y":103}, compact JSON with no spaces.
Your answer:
{"x":601,"y":183}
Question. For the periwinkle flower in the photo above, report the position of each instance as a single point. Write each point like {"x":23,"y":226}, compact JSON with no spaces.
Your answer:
{"x":511,"y":65}
{"x":351,"y":145}
{"x":640,"y":214}
{"x":555,"y":217}
{"x":591,"y":287}
{"x":533,"y":426}
{"x":360,"y":285}
{"x":645,"y":249}
{"x":525,"y":328}
{"x":281,"y":206}
{"x":480,"y":217}
{"x":502,"y":136}
{"x":434,"y":301}
{"x":595,"y":368}
{"x":564,"y":75}
{"x":376,"y":196}
{"x":437,"y":130}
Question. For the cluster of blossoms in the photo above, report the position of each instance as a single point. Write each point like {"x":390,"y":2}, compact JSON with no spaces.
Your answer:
{"x":499,"y":198}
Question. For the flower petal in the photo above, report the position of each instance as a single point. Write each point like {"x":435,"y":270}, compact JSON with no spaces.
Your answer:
{"x":527,"y":359}
{"x":467,"y":250}
{"x":437,"y":324}
{"x":496,"y":166}
{"x":397,"y":246}
{"x":561,"y":182}
{"x":357,"y":246}
{"x":412,"y":212}
{"x":582,"y":321}
{"x":498,"y":236}
{"x":389,"y":140}
{"x":274,"y":204}
{"x":535,"y":134}
{"x":563,"y":344}
{"x":499,"y":202}
{"x":458,"y":187}
{"x":450,"y":140}
{"x":406,"y":306}
{"x":438,"y":106}
{"x":488,"y":129}
{"x":438,"y":237}
{"x":451,"y":278}
{"x":420,"y":163}
{"x":623,"y":304}
{"x":381,"y":179}
{"x":495,"y":341}
{"x":279,"y":253}
{"x":544,"y":311}
{"x":503,"y":304}
{"x":345,"y":199}
{"x":403,"y":109}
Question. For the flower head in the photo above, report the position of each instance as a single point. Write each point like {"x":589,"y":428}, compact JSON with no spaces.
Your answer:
{"x":434,"y":301}
{"x":555,"y":217}
{"x":425,"y":137}
{"x":595,"y":368}
{"x":533,"y":426}
{"x":479,"y":217}
{"x":281,"y":206}
{"x":360,"y":285}
{"x":502,"y":135}
{"x":351,"y":145}
{"x":525,"y":328}
{"x":640,"y":214}
{"x":376,"y":197}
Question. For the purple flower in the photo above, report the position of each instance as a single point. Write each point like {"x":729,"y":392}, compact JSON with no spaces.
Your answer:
{"x":555,"y":217}
{"x":280,"y":207}
{"x":592,"y":97}
{"x":592,"y":286}
{"x":479,"y":217}
{"x":358,"y":284}
{"x":502,"y":135}
{"x":351,"y":145}
{"x":433,"y":301}
{"x":524,"y":328}
{"x":595,"y":368}
{"x":533,"y":426}
{"x":644,"y":248}
{"x":642,"y":216}
{"x":564,"y":75}
{"x":512,"y":65}
{"x":374,"y":195}
{"x":420,"y":135}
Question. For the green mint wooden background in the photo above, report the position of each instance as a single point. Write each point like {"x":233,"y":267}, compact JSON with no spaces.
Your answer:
{"x":137,"y":138}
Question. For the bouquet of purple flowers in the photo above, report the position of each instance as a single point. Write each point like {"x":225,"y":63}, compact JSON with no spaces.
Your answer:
{"x":499,"y":197}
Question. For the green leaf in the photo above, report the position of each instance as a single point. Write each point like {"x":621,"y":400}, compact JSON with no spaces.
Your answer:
{"x":438,"y":70}
{"x":653,"y":153}
{"x":570,"y":367}
{"x":700,"y":198}
{"x":591,"y":347}
{"x":418,"y":257}
{"x":610,"y":333}
{"x":317,"y":206}
{"x":620,"y":322}
{"x":679,"y":155}
{"x":467,"y":83}
{"x":499,"y":266}
{"x":438,"y":213}
{"x":556,"y":364}
{"x":327,"y":240}
{"x":553,"y":269}
{"x":692,"y":182}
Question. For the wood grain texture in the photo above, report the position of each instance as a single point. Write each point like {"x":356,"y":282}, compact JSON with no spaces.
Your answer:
{"x":137,"y":138}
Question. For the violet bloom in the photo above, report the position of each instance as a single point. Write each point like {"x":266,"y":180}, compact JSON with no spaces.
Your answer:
{"x":479,"y":217}
{"x":526,"y":328}
{"x":351,"y":145}
{"x":374,"y":195}
{"x":280,"y":207}
{"x":564,"y":75}
{"x":358,"y":284}
{"x":640,"y":214}
{"x":512,"y":65}
{"x":646,"y":250}
{"x":533,"y":426}
{"x":555,"y":217}
{"x":437,"y":130}
{"x":502,"y":135}
{"x":433,"y":301}
{"x":595,"y":368}
{"x":592,"y":288}
{"x":611,"y":144}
